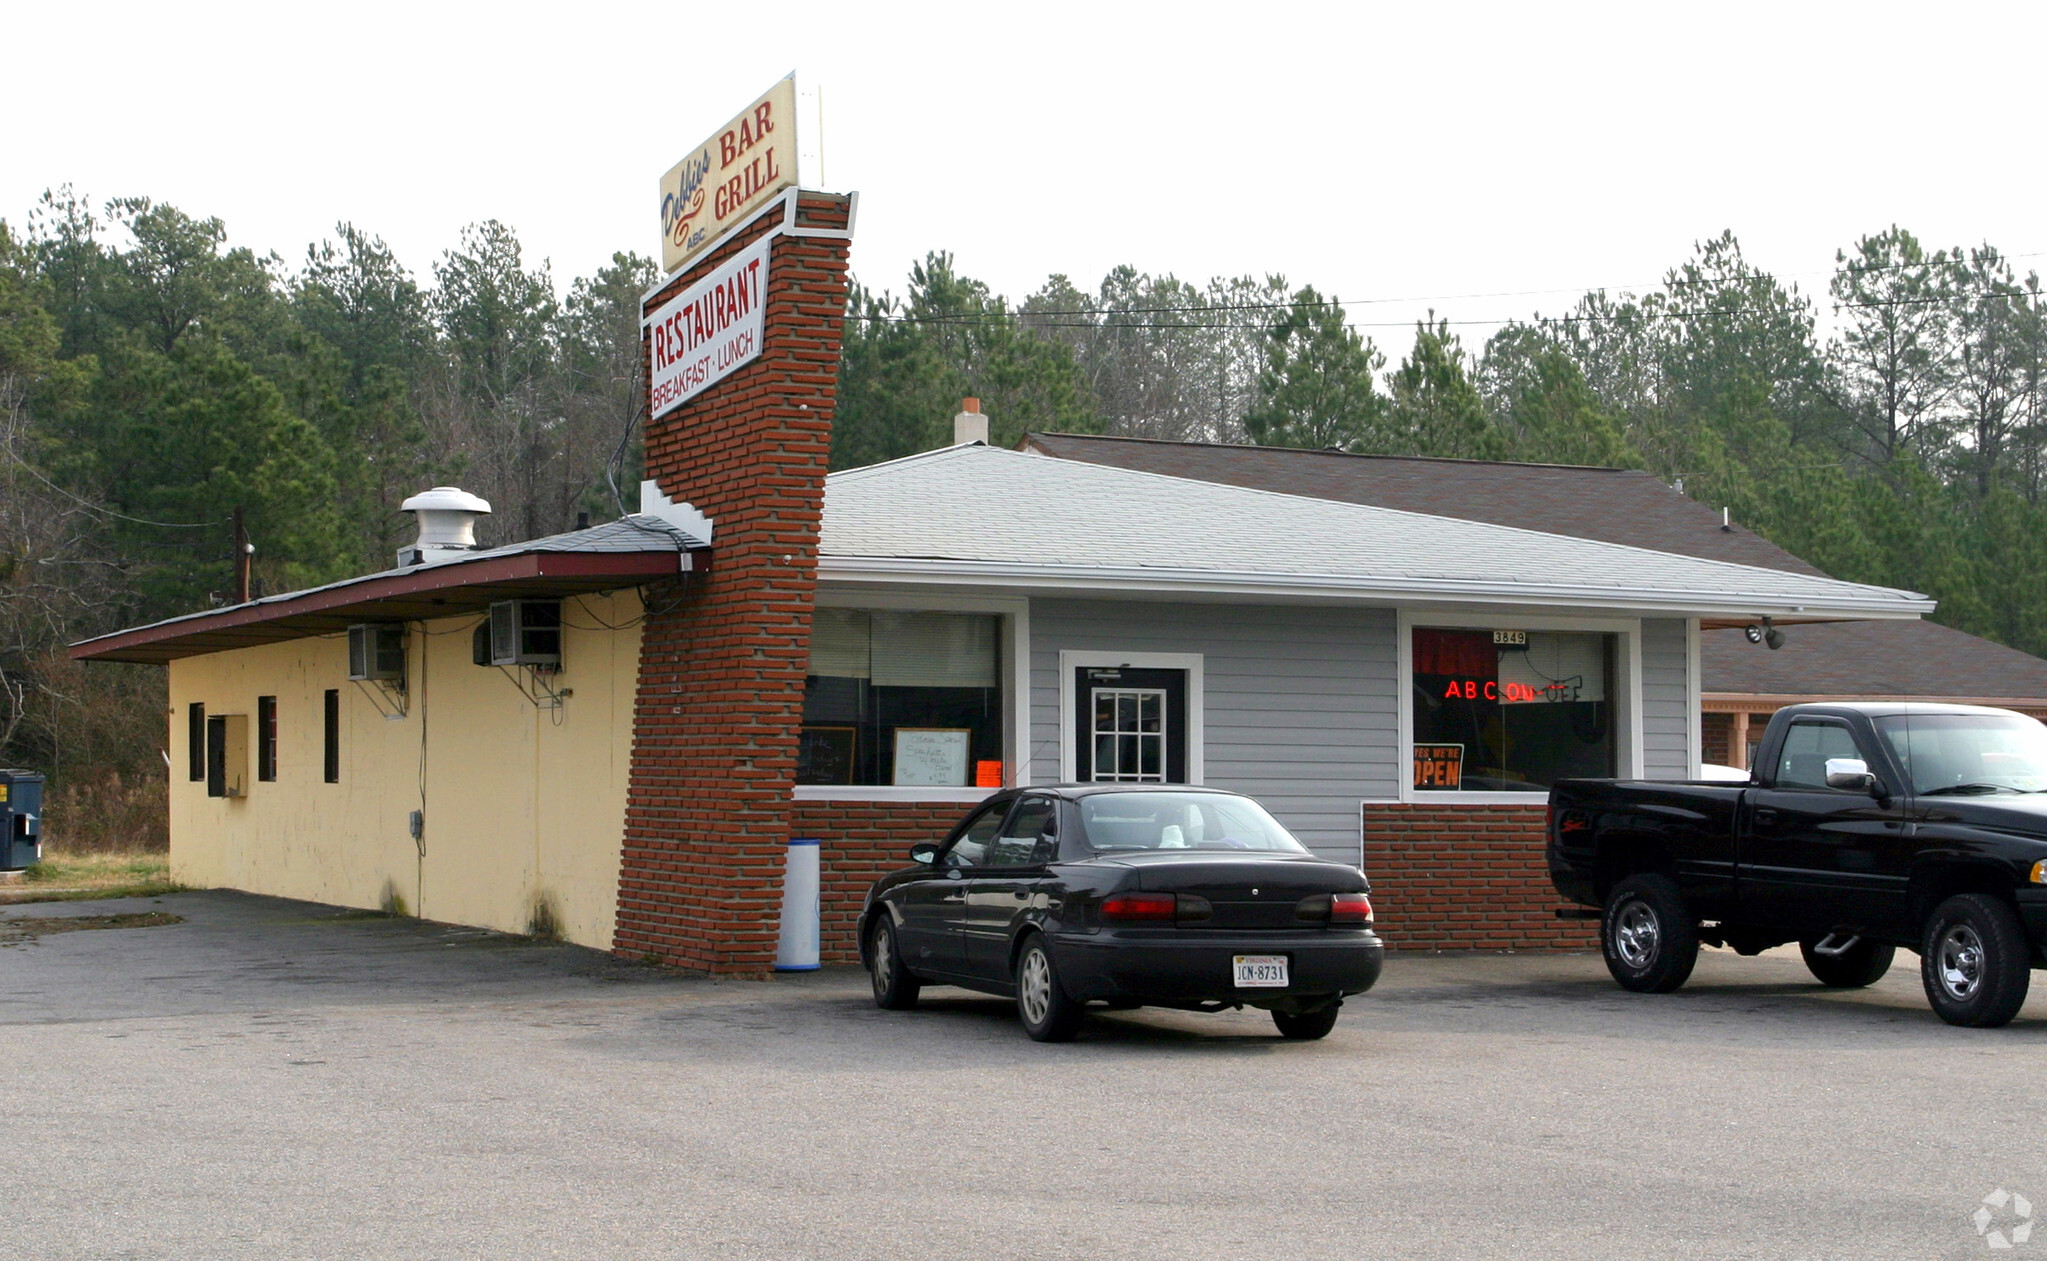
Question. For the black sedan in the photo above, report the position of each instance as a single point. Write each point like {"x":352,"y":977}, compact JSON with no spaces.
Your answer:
{"x":1127,"y":895}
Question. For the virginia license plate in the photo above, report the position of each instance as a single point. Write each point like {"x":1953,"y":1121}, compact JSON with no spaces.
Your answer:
{"x":1261,"y":972}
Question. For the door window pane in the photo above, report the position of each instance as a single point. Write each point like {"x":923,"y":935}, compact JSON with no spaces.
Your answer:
{"x":1511,"y":710}
{"x":1130,"y":734}
{"x":925,"y":686}
{"x":1807,"y":746}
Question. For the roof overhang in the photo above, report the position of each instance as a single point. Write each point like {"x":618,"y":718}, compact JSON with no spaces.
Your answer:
{"x":450,"y":589}
{"x":1727,"y":608}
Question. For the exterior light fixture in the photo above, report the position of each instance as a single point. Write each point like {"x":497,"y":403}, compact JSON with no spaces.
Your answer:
{"x":1765,"y":634}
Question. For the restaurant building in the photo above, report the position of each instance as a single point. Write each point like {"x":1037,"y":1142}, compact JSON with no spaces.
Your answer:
{"x":613,"y":734}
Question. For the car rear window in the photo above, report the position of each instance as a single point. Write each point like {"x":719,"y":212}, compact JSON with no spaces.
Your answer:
{"x":1182,"y":821}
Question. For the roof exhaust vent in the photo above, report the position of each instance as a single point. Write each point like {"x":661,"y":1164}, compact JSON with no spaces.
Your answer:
{"x":447,"y":525}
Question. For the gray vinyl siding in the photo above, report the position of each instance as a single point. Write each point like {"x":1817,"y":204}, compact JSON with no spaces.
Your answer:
{"x":1301,"y":703}
{"x":1666,"y":702}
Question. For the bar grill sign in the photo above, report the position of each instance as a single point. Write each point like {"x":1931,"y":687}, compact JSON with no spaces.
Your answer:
{"x":709,"y":330}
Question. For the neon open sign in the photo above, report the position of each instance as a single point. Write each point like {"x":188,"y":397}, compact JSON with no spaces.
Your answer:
{"x":1511,"y":693}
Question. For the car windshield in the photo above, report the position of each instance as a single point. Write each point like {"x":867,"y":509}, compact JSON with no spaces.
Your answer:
{"x":1969,"y":753}
{"x":1173,"y":821}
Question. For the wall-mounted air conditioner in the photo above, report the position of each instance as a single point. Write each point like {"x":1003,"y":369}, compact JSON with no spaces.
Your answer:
{"x":376,"y":651}
{"x":526,"y":633}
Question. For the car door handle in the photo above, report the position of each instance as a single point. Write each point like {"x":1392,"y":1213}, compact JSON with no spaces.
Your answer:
{"x":1765,"y":815}
{"x":954,"y":897}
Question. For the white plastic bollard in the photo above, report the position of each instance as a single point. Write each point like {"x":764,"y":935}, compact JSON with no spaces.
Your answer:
{"x":801,"y":911}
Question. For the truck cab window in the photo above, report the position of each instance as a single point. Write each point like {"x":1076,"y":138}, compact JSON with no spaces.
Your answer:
{"x":1807,"y":746}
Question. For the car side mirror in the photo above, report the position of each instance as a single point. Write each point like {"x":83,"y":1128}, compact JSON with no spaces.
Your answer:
{"x":1851,"y":774}
{"x":924,"y":855}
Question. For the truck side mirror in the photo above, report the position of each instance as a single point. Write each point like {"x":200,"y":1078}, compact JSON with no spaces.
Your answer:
{"x":1851,"y":774}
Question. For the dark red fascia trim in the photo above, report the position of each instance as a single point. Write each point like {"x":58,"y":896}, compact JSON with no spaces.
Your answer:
{"x":627,"y":567}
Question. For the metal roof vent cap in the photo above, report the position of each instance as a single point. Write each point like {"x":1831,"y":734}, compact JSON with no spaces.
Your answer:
{"x":447,"y":525}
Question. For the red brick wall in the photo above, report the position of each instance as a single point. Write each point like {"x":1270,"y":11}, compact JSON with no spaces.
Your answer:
{"x":1716,"y":732}
{"x":858,"y":842}
{"x":723,"y":654}
{"x":1465,"y":878}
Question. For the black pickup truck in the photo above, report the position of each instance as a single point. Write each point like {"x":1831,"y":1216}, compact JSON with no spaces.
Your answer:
{"x":1864,"y":827}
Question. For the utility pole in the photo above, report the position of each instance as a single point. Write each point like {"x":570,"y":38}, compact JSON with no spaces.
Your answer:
{"x":243,"y":550}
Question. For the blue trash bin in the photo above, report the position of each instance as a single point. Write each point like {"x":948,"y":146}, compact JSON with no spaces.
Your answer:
{"x":21,"y":819}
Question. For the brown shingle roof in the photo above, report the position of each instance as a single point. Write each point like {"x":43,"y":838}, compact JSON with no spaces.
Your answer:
{"x":1900,"y":658}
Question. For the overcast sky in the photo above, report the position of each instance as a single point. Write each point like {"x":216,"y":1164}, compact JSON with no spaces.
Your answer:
{"x":1402,"y":155}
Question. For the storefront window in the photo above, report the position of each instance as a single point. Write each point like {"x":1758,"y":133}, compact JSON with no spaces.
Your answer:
{"x":903,"y":699}
{"x":1511,"y":710}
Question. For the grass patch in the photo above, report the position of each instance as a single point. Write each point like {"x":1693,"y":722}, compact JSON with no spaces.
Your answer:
{"x":64,"y":877}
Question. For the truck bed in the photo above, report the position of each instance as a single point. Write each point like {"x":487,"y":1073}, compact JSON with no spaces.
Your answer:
{"x":1685,"y":827}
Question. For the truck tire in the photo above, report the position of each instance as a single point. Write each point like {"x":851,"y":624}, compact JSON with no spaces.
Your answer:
{"x":1975,"y":963}
{"x":1862,"y":964}
{"x":1648,"y":937}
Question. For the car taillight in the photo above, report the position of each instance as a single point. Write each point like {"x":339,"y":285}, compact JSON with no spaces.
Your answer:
{"x":1143,"y":907}
{"x":1350,"y":908}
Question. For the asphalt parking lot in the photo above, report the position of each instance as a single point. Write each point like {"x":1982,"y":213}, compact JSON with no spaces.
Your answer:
{"x":275,"y":1079}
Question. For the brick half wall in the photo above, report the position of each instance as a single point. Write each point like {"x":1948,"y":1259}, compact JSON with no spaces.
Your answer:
{"x":1443,"y":877}
{"x":1465,"y":878}
{"x":858,"y":843}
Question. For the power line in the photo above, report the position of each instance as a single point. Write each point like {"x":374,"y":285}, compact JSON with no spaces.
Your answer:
{"x":102,"y":510}
{"x":1107,"y":324}
{"x":1084,"y":317}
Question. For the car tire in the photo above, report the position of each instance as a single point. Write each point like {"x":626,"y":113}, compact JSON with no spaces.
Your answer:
{"x":1862,"y":964}
{"x":1041,"y":1002}
{"x":1975,"y":963}
{"x":1306,"y":1026}
{"x":1648,"y":936}
{"x":894,"y":988}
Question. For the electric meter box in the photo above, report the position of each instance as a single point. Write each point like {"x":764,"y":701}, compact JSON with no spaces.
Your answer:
{"x":376,"y":650}
{"x":526,"y":633}
{"x":21,"y":819}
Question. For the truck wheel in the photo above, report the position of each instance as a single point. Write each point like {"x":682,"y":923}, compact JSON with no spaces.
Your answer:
{"x":1648,"y":937}
{"x":1975,"y":964}
{"x":1863,"y":963}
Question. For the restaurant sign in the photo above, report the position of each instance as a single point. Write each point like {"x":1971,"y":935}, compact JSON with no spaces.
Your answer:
{"x":706,"y":332}
{"x":725,"y":179}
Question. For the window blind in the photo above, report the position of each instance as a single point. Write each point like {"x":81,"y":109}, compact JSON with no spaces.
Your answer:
{"x":934,"y":650}
{"x":838,"y":643}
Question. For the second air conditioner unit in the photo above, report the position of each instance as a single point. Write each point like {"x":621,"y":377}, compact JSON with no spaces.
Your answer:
{"x":376,"y":651}
{"x":526,"y":633}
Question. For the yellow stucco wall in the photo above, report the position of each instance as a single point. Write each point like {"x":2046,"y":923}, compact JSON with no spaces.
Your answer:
{"x":522,"y":803}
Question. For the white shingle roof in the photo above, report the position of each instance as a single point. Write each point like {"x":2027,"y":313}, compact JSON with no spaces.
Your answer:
{"x":985,"y":514}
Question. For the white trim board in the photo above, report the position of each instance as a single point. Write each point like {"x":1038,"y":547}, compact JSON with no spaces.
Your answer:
{"x":1071,"y":660}
{"x":1454,"y":593}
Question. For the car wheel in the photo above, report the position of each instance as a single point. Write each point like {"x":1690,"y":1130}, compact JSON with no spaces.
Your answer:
{"x":1648,"y":937}
{"x":1975,"y":964}
{"x":1306,"y":1026}
{"x":1863,"y":963}
{"x":1048,"y":1014}
{"x":894,"y":988}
